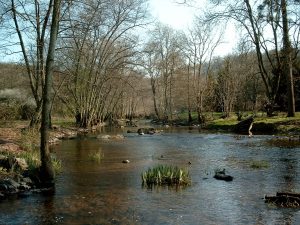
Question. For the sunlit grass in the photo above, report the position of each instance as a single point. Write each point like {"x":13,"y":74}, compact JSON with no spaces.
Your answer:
{"x":166,"y":175}
{"x":33,"y":161}
{"x":32,"y":158}
{"x":30,"y":139}
{"x":64,"y":121}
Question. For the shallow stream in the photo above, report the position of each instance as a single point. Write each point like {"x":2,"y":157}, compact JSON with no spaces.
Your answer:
{"x":111,"y":192}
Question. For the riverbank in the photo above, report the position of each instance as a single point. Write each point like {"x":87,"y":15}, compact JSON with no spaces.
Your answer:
{"x":19,"y":156}
{"x":19,"y":146}
{"x":276,"y":125}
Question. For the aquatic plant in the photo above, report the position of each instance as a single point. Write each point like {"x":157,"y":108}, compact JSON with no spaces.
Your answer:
{"x":259,"y":164}
{"x":96,"y":156}
{"x":56,"y":163}
{"x":166,"y":175}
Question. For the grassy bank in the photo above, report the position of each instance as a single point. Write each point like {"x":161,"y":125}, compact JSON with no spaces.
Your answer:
{"x":17,"y":141}
{"x":279,"y":124}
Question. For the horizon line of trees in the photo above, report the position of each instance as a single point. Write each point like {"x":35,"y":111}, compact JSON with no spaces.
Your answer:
{"x":104,"y":70}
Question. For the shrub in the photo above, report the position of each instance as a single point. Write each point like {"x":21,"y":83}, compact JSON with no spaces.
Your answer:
{"x":15,"y":104}
{"x":166,"y":175}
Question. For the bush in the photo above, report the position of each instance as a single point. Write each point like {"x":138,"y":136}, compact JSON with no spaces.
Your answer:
{"x":15,"y":104}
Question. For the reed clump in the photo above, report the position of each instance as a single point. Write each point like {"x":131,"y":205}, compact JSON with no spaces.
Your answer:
{"x":96,"y":156}
{"x":166,"y":175}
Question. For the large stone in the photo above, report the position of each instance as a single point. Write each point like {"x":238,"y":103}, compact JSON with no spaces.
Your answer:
{"x":244,"y":126}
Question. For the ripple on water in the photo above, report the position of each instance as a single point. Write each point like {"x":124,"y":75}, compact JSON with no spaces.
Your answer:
{"x":110,"y":192}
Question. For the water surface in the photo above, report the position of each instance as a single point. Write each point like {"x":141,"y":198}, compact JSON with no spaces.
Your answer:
{"x":110,"y":192}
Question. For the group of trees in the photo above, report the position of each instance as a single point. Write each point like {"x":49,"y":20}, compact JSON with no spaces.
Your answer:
{"x":260,"y":75}
{"x":102,"y":69}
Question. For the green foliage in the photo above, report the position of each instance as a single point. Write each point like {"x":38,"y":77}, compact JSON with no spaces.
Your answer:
{"x":32,"y":158}
{"x":166,"y":175}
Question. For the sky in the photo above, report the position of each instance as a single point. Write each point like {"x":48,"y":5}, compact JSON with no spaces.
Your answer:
{"x":175,"y":15}
{"x":181,"y":17}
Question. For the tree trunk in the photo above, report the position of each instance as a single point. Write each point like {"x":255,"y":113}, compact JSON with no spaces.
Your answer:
{"x":190,"y":119}
{"x":153,"y":88}
{"x":287,"y":61}
{"x":46,"y":171}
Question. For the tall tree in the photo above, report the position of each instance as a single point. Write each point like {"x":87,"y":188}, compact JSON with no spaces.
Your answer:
{"x":101,"y":49}
{"x":287,"y":60}
{"x":255,"y":18}
{"x":28,"y":23}
{"x":201,"y":43}
{"x":46,"y":171}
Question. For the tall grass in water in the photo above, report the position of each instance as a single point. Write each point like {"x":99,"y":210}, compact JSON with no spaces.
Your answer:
{"x":96,"y":156}
{"x":166,"y":175}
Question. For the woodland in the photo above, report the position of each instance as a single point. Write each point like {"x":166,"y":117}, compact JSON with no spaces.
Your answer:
{"x":97,"y":61}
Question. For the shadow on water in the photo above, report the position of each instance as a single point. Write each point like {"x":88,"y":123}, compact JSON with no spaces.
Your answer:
{"x":110,"y":192}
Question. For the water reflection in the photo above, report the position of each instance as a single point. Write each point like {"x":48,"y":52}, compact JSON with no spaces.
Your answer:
{"x":110,"y":192}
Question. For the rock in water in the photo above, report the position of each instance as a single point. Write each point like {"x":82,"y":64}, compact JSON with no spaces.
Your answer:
{"x":221,"y":175}
{"x":244,"y":126}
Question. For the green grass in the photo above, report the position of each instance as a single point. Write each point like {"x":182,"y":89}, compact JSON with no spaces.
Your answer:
{"x":166,"y":175}
{"x":259,"y":164}
{"x":33,"y":160}
{"x":96,"y":156}
{"x":30,"y":139}
{"x":57,"y":166}
{"x":64,"y":121}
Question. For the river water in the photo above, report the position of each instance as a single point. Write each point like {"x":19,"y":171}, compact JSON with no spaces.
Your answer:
{"x":111,"y":192}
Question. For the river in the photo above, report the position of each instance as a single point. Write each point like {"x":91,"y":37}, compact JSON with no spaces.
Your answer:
{"x":111,"y":192}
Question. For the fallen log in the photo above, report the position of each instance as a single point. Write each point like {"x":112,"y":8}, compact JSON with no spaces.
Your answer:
{"x":284,"y":199}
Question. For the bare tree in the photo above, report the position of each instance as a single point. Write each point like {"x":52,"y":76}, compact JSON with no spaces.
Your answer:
{"x":162,"y":57}
{"x":287,"y":59}
{"x":101,"y":49}
{"x":46,"y":171}
{"x":255,"y":18}
{"x":28,"y":23}
{"x":201,"y":42}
